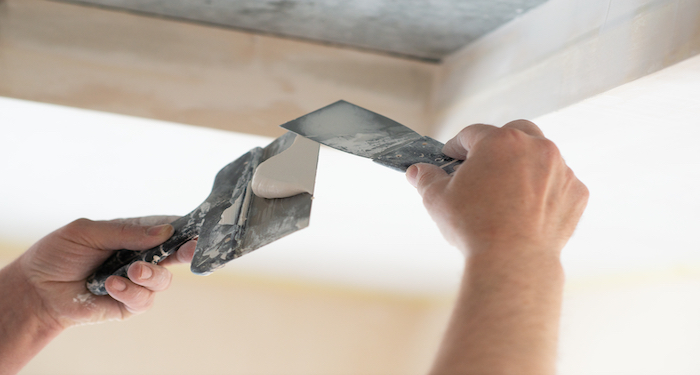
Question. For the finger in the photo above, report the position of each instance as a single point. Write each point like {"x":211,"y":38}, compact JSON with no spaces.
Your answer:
{"x":526,"y":126}
{"x":459,"y":146}
{"x":135,"y":298}
{"x":115,"y":235}
{"x":183,"y":255}
{"x":150,"y":276}
{"x":421,"y":176}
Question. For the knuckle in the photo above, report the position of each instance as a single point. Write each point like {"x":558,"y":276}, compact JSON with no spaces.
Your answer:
{"x":425,"y":180}
{"x":432,"y":196}
{"x":75,"y":228}
{"x":570,"y":175}
{"x":506,"y":141}
{"x":585,"y":194}
{"x":549,"y":152}
{"x":79,"y":224}
{"x":520,"y":122}
{"x":549,"y":147}
{"x":427,"y":187}
{"x":158,"y":280}
{"x":508,"y":135}
{"x":124,"y":229}
{"x":464,"y":133}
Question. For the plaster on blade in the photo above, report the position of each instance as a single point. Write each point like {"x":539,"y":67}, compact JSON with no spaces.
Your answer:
{"x":254,"y":221}
{"x":291,"y":172}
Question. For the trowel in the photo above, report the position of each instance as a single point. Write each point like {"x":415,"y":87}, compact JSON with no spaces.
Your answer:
{"x":353,"y":129}
{"x":231,"y":222}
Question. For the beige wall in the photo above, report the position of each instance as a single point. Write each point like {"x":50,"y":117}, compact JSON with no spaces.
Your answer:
{"x":233,"y":323}
{"x":226,"y":324}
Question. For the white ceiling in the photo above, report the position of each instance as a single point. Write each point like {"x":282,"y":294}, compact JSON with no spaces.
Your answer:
{"x":636,"y":148}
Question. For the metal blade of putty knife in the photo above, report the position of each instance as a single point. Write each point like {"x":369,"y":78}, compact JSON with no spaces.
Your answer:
{"x":251,"y":221}
{"x":229,"y":223}
{"x":347,"y":127}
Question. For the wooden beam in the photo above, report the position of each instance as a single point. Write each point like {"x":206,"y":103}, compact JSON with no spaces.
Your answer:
{"x":558,"y":54}
{"x":119,"y":62}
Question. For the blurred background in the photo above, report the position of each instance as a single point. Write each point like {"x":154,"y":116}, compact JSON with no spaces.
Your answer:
{"x":113,"y":108}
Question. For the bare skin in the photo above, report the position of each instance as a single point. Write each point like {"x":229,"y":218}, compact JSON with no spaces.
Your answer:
{"x":510,"y":208}
{"x":43,"y":291}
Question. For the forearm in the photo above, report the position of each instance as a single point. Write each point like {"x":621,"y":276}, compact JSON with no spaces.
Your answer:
{"x":507,"y":316}
{"x":23,"y":333}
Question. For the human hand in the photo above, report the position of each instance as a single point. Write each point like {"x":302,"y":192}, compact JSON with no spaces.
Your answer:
{"x":510,"y":207}
{"x":514,"y":191}
{"x":57,"y":266}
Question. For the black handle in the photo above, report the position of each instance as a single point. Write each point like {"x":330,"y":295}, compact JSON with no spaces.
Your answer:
{"x":119,"y":262}
{"x":422,"y":150}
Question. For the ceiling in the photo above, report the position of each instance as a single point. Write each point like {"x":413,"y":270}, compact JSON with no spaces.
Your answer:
{"x":425,"y":30}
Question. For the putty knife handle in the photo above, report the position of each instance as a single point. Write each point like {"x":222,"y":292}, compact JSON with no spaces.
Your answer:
{"x":422,"y":150}
{"x":119,"y":262}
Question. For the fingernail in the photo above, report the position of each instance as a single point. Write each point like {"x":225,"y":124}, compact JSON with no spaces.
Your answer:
{"x":159,"y":229}
{"x":118,"y":284}
{"x":411,"y":174}
{"x":146,"y":272}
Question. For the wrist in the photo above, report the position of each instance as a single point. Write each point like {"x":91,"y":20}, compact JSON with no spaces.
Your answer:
{"x":532,"y":263}
{"x":25,"y":327}
{"x":507,"y":314}
{"x":513,"y":248}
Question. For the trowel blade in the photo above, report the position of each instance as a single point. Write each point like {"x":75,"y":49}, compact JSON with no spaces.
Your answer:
{"x":358,"y":131}
{"x":254,"y":222}
{"x":350,"y":128}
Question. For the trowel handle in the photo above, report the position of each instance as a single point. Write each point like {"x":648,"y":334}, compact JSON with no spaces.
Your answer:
{"x":422,"y":150}
{"x":119,"y":262}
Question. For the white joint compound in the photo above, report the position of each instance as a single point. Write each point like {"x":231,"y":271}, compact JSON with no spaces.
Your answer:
{"x":291,"y":172}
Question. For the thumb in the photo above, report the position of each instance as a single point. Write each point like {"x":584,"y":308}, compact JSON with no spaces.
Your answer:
{"x":423,"y":175}
{"x":115,"y":235}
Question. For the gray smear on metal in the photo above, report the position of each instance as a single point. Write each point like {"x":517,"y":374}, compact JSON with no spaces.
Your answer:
{"x":219,"y":237}
{"x":347,"y":127}
{"x":251,"y":222}
{"x":272,"y":219}
{"x":426,"y":30}
{"x":358,"y":131}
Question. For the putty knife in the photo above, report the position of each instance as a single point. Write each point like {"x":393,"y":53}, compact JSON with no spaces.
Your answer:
{"x":347,"y":127}
{"x":231,"y":222}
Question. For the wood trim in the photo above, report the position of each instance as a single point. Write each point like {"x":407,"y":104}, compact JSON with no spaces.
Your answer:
{"x":170,"y":70}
